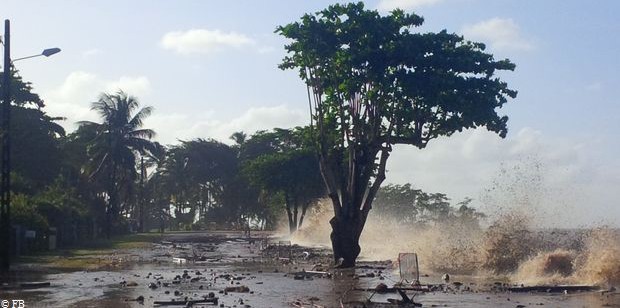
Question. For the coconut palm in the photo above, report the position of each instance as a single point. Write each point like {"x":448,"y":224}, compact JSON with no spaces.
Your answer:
{"x":114,"y":152}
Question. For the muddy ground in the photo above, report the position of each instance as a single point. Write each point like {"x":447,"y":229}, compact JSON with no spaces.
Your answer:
{"x":260,"y":271}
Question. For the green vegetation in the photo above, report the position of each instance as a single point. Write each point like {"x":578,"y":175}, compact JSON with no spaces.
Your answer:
{"x":93,"y":255}
{"x":413,"y":206}
{"x":109,"y":177}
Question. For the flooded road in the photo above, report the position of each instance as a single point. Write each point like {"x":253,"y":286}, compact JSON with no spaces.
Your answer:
{"x":219,"y":261}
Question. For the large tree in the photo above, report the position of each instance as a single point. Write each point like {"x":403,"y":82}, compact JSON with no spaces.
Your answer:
{"x":118,"y":142}
{"x":286,"y":166}
{"x":373,"y":82}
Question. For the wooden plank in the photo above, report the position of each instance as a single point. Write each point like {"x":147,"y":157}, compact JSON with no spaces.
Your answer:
{"x":554,"y":289}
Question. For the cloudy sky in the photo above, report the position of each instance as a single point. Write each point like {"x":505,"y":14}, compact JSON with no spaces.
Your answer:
{"x":209,"y":69}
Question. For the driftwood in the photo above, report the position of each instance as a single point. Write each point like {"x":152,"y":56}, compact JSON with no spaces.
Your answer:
{"x":188,"y":303}
{"x":26,"y":285}
{"x":554,"y":289}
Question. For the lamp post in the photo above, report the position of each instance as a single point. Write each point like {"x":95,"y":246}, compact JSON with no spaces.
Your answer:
{"x":5,"y":136}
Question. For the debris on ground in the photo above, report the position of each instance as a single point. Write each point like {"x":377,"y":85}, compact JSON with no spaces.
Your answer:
{"x":238,"y":289}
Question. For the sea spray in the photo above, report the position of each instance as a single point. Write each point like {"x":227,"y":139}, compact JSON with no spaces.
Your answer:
{"x":507,"y":242}
{"x":600,"y":261}
{"x":510,"y":246}
{"x":596,"y":261}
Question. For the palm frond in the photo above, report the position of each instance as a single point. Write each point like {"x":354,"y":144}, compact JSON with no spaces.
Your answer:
{"x":139,"y":117}
{"x":142,"y":133}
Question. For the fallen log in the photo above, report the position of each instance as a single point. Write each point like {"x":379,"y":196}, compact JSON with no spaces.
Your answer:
{"x":187,"y":303}
{"x":34,"y":285}
{"x":312,"y":273}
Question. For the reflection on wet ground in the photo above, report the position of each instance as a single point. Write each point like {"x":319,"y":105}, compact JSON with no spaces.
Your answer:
{"x":225,"y":261}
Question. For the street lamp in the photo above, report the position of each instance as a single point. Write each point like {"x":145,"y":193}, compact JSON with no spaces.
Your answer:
{"x":47,"y":52}
{"x":5,"y":180}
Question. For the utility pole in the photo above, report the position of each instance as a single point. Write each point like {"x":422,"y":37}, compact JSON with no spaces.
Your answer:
{"x":5,"y":180}
{"x":141,"y":201}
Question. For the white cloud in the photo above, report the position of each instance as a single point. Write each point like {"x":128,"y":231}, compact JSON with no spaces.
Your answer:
{"x":499,"y":34}
{"x":180,"y":126}
{"x":389,"y":5}
{"x":203,"y":41}
{"x":136,"y":86}
{"x":73,"y":97}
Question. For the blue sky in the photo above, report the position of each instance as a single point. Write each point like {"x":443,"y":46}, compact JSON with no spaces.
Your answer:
{"x":209,"y":69}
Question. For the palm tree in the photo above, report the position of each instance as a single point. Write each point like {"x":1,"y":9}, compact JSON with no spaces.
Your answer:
{"x":119,"y":141}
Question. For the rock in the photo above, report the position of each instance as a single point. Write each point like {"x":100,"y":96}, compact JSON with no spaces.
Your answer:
{"x":140,"y":299}
{"x":381,"y":288}
{"x":152,"y":286}
{"x":131,"y":284}
{"x":177,"y":293}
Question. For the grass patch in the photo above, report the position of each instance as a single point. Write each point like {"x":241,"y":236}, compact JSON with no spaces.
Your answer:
{"x":91,"y":255}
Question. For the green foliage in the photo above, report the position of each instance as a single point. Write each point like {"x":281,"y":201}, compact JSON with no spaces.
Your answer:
{"x":60,"y":204}
{"x":32,"y":132}
{"x":25,"y":212}
{"x":21,"y":91}
{"x":283,"y":164}
{"x":114,"y":150}
{"x":377,"y":78}
{"x":414,"y":206}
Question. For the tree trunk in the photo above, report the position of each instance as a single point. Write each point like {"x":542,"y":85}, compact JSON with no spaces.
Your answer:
{"x":303,"y":214}
{"x":295,"y":215}
{"x":289,"y":213}
{"x":345,"y":237}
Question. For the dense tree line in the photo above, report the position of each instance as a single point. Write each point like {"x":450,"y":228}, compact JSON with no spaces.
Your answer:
{"x":408,"y":205}
{"x":110,"y":176}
